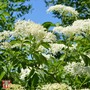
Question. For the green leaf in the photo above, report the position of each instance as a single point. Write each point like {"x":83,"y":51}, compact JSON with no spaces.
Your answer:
{"x":3,"y":5}
{"x":31,"y":73}
{"x":35,"y":80}
{"x":5,"y":69}
{"x":3,"y":18}
{"x":18,"y":1}
{"x":19,"y":68}
{"x":2,"y":75}
{"x":39,"y":58}
{"x":63,"y":57}
{"x":42,"y":59}
{"x":6,"y":14}
{"x":45,"y":44}
{"x":48,"y":24}
{"x":15,"y":41}
{"x":86,"y":59}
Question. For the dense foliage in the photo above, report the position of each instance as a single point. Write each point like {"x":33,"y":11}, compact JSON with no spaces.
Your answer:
{"x":10,"y":10}
{"x":35,"y":58}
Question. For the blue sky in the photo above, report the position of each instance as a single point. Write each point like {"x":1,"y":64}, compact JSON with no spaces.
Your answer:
{"x":39,"y":14}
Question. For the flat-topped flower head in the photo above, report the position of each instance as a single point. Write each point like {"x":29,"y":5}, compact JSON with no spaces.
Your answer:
{"x":4,"y":35}
{"x":55,"y":48}
{"x":77,"y":68}
{"x":58,"y":29}
{"x":56,"y":86}
{"x":50,"y":37}
{"x":77,"y":27}
{"x":64,"y":10}
{"x":25,"y":28}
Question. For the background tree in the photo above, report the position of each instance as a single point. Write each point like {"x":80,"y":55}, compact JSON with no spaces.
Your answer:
{"x":82,"y":6}
{"x":10,"y":10}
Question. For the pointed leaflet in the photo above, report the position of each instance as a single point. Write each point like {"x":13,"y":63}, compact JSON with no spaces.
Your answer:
{"x":2,"y":75}
{"x":47,"y":25}
{"x":86,"y":59}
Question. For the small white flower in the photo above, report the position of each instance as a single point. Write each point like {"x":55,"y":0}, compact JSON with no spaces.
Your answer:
{"x":56,"y":47}
{"x":50,"y":37}
{"x":24,"y":73}
{"x":73,"y":47}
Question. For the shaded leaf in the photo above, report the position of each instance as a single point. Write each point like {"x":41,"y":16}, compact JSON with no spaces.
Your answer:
{"x":48,"y":24}
{"x":86,"y":59}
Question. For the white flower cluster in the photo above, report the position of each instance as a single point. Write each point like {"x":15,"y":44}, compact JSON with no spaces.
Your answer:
{"x":4,"y":35}
{"x":77,"y":27}
{"x":58,"y":29}
{"x":81,"y":26}
{"x":15,"y":87}
{"x":54,"y":48}
{"x":5,"y":45}
{"x":78,"y":68}
{"x":24,"y":73}
{"x":64,"y":10}
{"x":56,"y":86}
{"x":50,"y":37}
{"x":57,"y":48}
{"x":44,"y":52}
{"x":25,"y":28}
